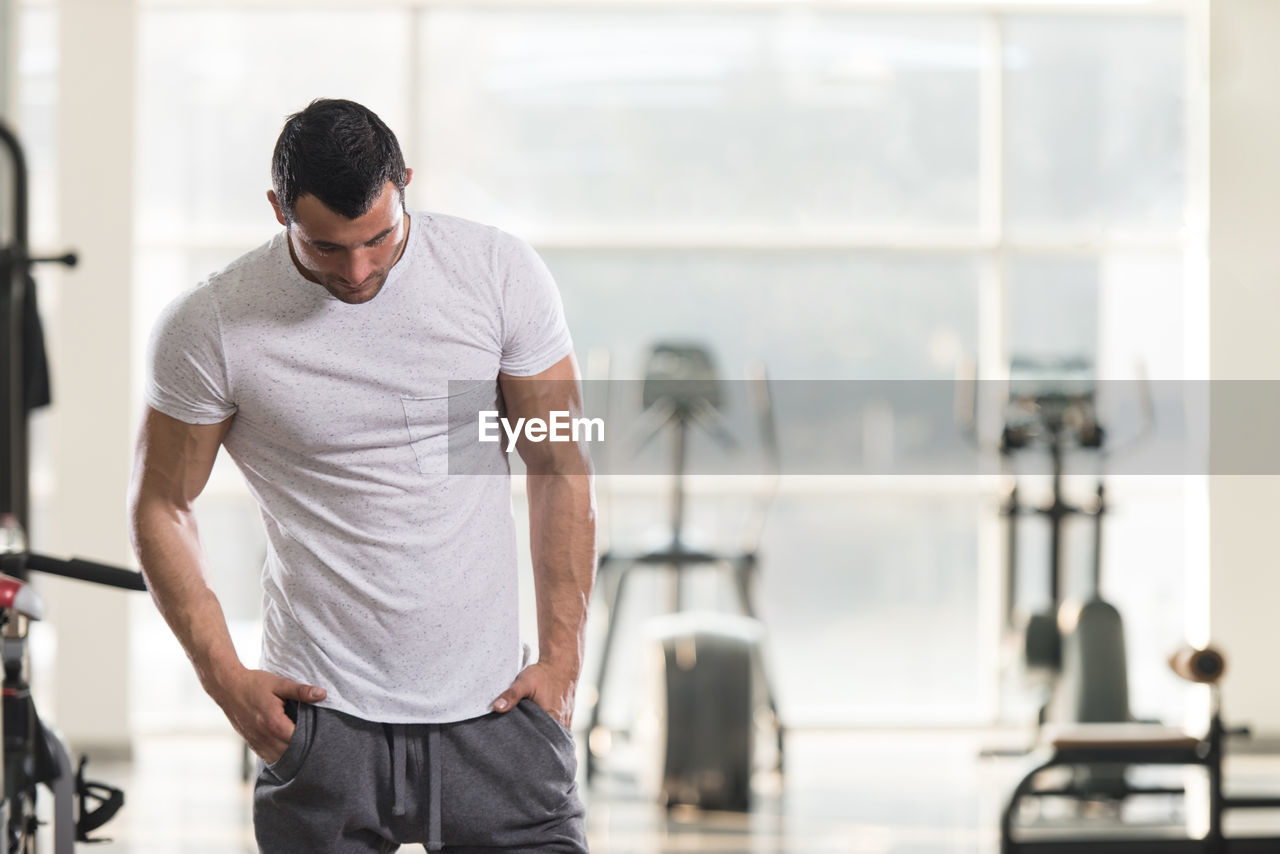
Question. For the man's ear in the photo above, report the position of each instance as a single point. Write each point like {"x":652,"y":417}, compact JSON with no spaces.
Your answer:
{"x":275,"y":206}
{"x":408,"y":176}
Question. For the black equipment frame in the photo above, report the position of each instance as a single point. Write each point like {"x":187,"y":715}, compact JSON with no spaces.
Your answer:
{"x":1076,"y":749}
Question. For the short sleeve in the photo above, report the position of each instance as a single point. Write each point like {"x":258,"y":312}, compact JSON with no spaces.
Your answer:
{"x":186,"y":372}
{"x":534,"y":333}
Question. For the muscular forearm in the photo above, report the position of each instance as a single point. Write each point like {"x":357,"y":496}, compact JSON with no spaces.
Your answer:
{"x":562,"y":518}
{"x":167,"y":543}
{"x":562,"y":521}
{"x":172,"y":465}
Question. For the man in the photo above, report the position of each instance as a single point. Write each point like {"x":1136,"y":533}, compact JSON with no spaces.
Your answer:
{"x":334,"y":364}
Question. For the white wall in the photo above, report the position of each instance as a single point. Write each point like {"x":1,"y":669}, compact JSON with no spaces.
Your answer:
{"x":1244,"y":343}
{"x":90,"y":355}
{"x":8,"y":93}
{"x":8,"y":56}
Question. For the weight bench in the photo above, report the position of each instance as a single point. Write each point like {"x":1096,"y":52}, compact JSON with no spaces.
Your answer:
{"x":1107,"y":749}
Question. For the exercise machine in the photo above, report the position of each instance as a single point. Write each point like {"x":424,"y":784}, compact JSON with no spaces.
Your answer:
{"x":707,"y":691}
{"x":1109,"y":746}
{"x":33,"y":754}
{"x":1075,"y":644}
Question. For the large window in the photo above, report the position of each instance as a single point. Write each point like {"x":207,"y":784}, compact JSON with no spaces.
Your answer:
{"x":871,"y":193}
{"x":658,"y":122}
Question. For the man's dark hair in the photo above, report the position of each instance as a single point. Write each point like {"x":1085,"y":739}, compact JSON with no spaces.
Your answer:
{"x":341,"y":153}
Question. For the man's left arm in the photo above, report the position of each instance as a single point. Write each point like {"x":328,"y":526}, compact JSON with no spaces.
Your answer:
{"x":562,"y":527}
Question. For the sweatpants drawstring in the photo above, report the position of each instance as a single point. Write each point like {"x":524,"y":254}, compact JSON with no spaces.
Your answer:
{"x":433,"y":788}
{"x":399,"y":780}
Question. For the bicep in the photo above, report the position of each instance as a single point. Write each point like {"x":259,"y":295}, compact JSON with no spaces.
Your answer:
{"x":174,"y":459}
{"x":557,"y":389}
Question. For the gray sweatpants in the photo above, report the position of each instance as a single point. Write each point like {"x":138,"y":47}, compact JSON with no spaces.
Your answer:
{"x":497,"y":783}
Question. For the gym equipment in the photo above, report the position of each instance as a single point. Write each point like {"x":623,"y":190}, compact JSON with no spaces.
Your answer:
{"x":711,"y":691}
{"x":1076,"y":645}
{"x":705,"y":682}
{"x":33,"y":754}
{"x":1109,"y":746}
{"x":23,"y":354}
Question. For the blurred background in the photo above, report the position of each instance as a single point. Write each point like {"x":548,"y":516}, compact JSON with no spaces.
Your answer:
{"x":861,"y":190}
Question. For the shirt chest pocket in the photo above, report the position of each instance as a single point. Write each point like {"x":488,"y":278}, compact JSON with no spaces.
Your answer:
{"x":443,"y":428}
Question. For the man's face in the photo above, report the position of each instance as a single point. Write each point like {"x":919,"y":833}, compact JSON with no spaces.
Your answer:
{"x":350,"y":258}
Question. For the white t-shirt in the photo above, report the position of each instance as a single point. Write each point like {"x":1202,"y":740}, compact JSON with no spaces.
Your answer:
{"x":388,"y":582}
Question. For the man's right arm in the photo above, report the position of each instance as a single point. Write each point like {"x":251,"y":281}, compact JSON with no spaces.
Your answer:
{"x":172,"y":464}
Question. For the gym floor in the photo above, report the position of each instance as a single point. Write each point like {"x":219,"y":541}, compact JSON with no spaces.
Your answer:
{"x":846,"y":792}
